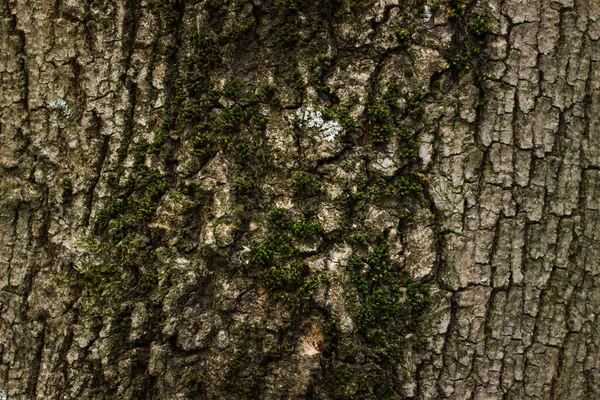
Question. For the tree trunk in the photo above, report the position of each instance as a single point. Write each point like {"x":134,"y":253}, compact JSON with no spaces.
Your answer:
{"x":336,"y":199}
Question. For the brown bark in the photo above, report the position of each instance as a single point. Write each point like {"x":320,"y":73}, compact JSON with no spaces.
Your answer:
{"x":504,"y":232}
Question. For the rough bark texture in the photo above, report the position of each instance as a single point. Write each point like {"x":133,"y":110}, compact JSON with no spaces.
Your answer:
{"x":293,"y":199}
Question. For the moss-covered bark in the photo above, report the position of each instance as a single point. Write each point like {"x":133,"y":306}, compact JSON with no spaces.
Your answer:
{"x":338,"y":199}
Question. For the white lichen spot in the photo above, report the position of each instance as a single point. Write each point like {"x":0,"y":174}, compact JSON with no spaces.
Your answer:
{"x":3,"y":395}
{"x":426,"y":14}
{"x":314,"y":119}
{"x":245,"y":249}
{"x":63,"y":109}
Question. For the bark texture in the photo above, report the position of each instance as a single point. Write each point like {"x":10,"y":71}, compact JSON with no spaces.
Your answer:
{"x":334,"y":199}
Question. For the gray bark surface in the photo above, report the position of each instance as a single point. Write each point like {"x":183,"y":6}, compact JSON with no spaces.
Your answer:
{"x":146,"y":145}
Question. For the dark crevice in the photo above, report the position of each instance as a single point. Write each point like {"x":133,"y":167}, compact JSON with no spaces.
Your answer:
{"x":95,"y":130}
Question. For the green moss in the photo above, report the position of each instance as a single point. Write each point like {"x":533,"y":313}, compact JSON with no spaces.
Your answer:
{"x":480,"y":77}
{"x":279,"y":262}
{"x":306,"y":185}
{"x":347,"y":166}
{"x":460,"y":61}
{"x":260,"y":122}
{"x":403,"y":38}
{"x":197,"y":116}
{"x":237,"y":32}
{"x":171,"y":48}
{"x":480,"y":27}
{"x":206,"y":51}
{"x":240,"y":378}
{"x":243,"y":187}
{"x":144,"y":209}
{"x":288,"y":23}
{"x":67,"y":187}
{"x":456,"y":10}
{"x":379,"y":114}
{"x":328,"y":114}
{"x":410,"y":149}
{"x":391,"y":306}
{"x":302,"y":228}
{"x":166,"y":12}
{"x":288,"y":32}
{"x":483,"y":104}
{"x":109,"y":212}
{"x":344,"y":383}
{"x":232,"y":89}
{"x":399,"y":187}
{"x":169,"y":155}
{"x":414,"y":107}
{"x":195,"y":382}
{"x":298,"y":85}
{"x":365,"y":316}
{"x":346,"y":120}
{"x":391,"y":96}
{"x":221,"y":128}
{"x":319,"y":68}
{"x":244,"y":150}
{"x":267,"y":93}
{"x":380,"y":124}
{"x":359,"y":239}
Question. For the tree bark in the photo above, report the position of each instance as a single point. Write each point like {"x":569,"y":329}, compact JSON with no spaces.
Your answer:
{"x":291,"y":199}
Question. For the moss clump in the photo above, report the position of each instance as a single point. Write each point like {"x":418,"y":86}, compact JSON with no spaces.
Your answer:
{"x":410,"y":149}
{"x":303,"y":228}
{"x":415,"y":107}
{"x":232,"y":89}
{"x":403,"y":38}
{"x":391,"y":306}
{"x":267,"y":93}
{"x":460,"y":61}
{"x":319,"y":68}
{"x":220,"y":128}
{"x":298,"y":84}
{"x":260,"y":122}
{"x":380,"y":124}
{"x":167,"y":13}
{"x":391,"y":96}
{"x":109,"y":212}
{"x":288,"y":22}
{"x":399,"y":187}
{"x":359,"y":239}
{"x":346,"y":120}
{"x":456,"y":10}
{"x":240,"y":376}
{"x":480,"y":27}
{"x":279,"y":262}
{"x":244,"y":150}
{"x":67,"y":188}
{"x":410,"y":145}
{"x":306,"y":185}
{"x":243,"y":187}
